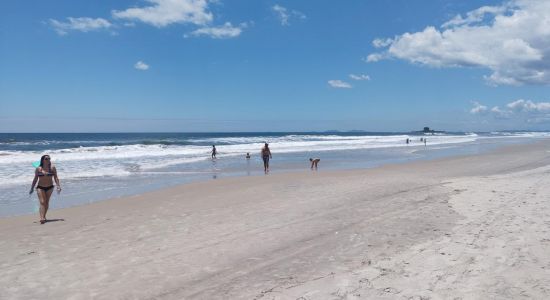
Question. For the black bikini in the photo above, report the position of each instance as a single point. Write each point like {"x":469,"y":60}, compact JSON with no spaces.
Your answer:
{"x":44,"y":174}
{"x":45,"y":188}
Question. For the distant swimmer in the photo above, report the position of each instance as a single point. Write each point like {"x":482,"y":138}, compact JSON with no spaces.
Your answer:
{"x":266,"y":155}
{"x":45,"y":174}
{"x":247,"y":163}
{"x":425,"y":140}
{"x":408,"y":141}
{"x":314,"y":162}
{"x":214,"y":152}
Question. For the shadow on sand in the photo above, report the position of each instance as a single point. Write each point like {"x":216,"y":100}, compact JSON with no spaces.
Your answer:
{"x":51,"y":220}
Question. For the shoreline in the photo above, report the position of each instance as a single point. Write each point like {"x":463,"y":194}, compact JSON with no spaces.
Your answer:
{"x":352,"y":234}
{"x":68,"y":195}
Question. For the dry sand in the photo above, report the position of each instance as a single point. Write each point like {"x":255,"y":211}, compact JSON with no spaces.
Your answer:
{"x":475,"y":227}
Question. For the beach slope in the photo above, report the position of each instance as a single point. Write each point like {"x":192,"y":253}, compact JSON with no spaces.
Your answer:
{"x":472,"y":227}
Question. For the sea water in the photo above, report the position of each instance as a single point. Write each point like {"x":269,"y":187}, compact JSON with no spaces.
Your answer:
{"x":98,"y":166}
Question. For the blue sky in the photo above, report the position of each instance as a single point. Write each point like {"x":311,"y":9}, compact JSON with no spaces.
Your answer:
{"x":249,"y":65}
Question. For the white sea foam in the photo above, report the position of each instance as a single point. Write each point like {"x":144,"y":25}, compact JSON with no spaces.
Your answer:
{"x":85,"y":162}
{"x":528,"y":134}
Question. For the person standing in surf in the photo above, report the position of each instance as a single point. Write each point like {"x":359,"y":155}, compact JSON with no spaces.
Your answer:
{"x":214,"y":152}
{"x":266,"y":155}
{"x":45,"y":174}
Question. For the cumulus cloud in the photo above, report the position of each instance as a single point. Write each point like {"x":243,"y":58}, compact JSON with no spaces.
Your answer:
{"x":374,"y":57}
{"x":478,"y":108}
{"x":141,"y":66}
{"x":529,"y":106}
{"x":221,"y":32}
{"x":512,"y":40}
{"x":359,"y":77}
{"x":339,"y":84}
{"x":166,"y":12}
{"x":285,"y":14}
{"x":159,"y":13}
{"x":79,"y":24}
{"x":520,"y":109}
{"x":477,"y":15}
{"x":381,"y":43}
{"x":498,"y":111}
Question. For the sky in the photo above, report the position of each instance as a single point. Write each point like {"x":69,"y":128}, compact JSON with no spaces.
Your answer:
{"x":251,"y":65}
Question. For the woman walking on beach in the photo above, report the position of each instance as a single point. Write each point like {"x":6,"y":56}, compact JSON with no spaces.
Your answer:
{"x":45,"y":174}
{"x":266,"y":155}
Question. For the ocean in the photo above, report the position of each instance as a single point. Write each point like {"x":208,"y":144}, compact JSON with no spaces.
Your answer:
{"x":99,"y":166}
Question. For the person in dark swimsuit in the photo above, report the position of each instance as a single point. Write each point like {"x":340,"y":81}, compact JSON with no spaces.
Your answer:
{"x":214,"y":151}
{"x":45,"y":175}
{"x":266,"y":155}
{"x":314,"y":162}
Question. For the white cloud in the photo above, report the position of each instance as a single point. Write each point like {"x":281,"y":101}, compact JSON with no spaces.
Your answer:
{"x":527,"y":110}
{"x":476,"y":16}
{"x":141,"y":66}
{"x":221,"y":32}
{"x":528,"y":106}
{"x":497,"y":110}
{"x":478,"y":108}
{"x":79,"y":24}
{"x":374,"y":57}
{"x":165,"y":12}
{"x":499,"y":113}
{"x":339,"y":84}
{"x":285,"y":14}
{"x":511,"y":40}
{"x":359,"y":77}
{"x":381,"y":43}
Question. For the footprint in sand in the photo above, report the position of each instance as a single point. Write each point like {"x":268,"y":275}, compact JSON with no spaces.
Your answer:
{"x":418,"y":298}
{"x":391,"y":290}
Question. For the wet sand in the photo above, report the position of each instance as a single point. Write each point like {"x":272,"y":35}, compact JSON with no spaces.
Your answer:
{"x":472,"y":227}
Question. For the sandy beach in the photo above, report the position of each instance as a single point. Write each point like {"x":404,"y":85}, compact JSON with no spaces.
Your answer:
{"x":471,"y":227}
